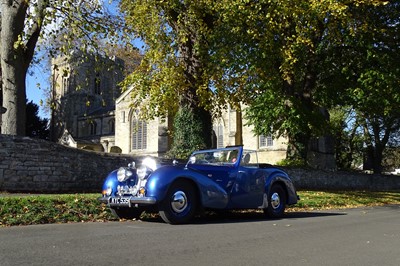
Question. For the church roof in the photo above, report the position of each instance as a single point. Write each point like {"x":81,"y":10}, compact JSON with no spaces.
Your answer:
{"x":105,"y":110}
{"x":126,"y":93}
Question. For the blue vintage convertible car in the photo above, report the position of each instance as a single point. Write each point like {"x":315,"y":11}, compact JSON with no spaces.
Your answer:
{"x":218,"y":179}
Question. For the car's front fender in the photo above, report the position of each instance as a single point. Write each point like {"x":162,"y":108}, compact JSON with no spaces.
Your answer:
{"x":211,"y":194}
{"x":111,"y":181}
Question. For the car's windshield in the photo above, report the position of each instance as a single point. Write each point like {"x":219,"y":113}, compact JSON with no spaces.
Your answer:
{"x":249,"y":158}
{"x":228,"y":156}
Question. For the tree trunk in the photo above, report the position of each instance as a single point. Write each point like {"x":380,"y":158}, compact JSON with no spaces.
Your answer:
{"x":377,"y":162}
{"x":14,"y":100}
{"x":18,"y":40}
{"x":376,"y":143}
{"x":297,"y":147}
{"x":13,"y":67}
{"x":206,"y":119}
{"x":193,"y":61}
{"x":239,"y":126}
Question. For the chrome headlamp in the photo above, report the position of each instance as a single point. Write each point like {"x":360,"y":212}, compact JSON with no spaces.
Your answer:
{"x":123,"y":174}
{"x":148,"y":166}
{"x":150,"y":163}
{"x":142,"y":172}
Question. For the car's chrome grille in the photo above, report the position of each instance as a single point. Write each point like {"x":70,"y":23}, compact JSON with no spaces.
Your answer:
{"x":125,"y":190}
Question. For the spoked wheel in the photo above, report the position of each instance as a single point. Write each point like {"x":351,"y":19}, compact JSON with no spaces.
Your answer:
{"x":126,"y":213}
{"x":180,"y":203}
{"x":276,"y":202}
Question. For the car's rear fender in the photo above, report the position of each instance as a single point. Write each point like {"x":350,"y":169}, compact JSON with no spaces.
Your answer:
{"x":281,"y":178}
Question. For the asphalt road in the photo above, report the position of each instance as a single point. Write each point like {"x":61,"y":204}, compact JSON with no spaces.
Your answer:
{"x":366,"y":236}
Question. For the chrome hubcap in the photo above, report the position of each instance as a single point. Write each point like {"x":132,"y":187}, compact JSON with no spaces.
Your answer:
{"x":179,"y":202}
{"x":275,"y":201}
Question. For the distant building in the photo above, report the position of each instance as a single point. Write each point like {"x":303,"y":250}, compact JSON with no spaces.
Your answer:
{"x":84,"y":90}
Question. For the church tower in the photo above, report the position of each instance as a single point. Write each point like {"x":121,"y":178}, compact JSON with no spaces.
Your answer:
{"x":84,"y":90}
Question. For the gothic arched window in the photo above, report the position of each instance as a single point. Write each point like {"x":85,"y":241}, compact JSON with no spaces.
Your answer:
{"x":97,"y":84}
{"x":219,"y":132}
{"x":111,"y":126}
{"x":93,"y":128}
{"x":65,"y":85}
{"x":139,"y":135}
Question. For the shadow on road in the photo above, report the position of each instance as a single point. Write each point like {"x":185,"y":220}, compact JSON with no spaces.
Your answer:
{"x":312,"y":214}
{"x":246,"y":216}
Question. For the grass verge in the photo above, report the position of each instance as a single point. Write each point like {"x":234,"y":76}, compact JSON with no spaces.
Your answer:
{"x":44,"y":209}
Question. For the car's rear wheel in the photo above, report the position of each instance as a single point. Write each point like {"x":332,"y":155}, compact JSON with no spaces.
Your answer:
{"x":180,"y":203}
{"x":276,"y":202}
{"x":126,"y":213}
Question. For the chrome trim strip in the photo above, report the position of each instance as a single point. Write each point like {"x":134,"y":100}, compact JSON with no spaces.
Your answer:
{"x":132,"y":200}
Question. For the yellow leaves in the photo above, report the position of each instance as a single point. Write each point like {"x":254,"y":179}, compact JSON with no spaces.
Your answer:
{"x":157,"y":86}
{"x":371,"y":2}
{"x":321,"y":9}
{"x":19,"y":43}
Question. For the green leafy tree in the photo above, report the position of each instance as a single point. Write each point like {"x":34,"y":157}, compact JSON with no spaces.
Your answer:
{"x":348,"y":137}
{"x":368,"y":59}
{"x":374,"y":95}
{"x":272,"y":53}
{"x":173,"y":72}
{"x":23,"y":23}
{"x":288,"y":61}
{"x":36,"y":126}
{"x":286,"y":53}
{"x":391,"y":157}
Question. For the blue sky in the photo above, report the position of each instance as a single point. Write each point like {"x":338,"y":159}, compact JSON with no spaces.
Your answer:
{"x":33,"y":93}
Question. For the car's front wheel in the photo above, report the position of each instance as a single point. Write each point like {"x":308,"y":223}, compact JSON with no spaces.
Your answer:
{"x":276,"y":202}
{"x":180,"y":203}
{"x":126,"y":213}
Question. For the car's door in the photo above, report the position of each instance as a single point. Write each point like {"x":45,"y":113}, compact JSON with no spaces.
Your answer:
{"x":223,"y":175}
{"x":248,"y":188}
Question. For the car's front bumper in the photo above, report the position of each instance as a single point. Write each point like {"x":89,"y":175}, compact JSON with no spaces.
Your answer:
{"x":129,"y":201}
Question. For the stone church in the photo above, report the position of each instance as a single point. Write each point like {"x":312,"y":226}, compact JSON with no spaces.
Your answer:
{"x":91,"y":113}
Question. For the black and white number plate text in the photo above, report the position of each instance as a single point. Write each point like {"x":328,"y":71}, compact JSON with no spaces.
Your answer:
{"x":122,"y":201}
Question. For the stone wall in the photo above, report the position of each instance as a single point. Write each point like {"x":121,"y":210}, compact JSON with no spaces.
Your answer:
{"x":309,"y":179}
{"x":37,"y":166}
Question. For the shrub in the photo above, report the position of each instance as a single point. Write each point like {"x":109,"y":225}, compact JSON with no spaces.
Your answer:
{"x":188,"y":134}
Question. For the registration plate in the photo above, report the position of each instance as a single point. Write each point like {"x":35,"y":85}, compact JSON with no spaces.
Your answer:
{"x":121,"y":201}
